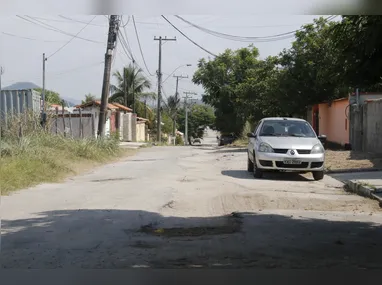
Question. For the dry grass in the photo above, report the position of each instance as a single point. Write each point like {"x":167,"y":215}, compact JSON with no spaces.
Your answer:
{"x":336,"y":160}
{"x":37,"y":156}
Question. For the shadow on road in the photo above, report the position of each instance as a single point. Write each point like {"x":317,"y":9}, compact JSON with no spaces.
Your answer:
{"x":105,"y":238}
{"x":279,"y":176}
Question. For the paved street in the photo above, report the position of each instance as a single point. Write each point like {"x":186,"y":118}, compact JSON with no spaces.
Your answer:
{"x":171,"y":207}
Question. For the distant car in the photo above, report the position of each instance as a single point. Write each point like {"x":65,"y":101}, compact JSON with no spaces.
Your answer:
{"x":197,"y":140}
{"x":226,"y":139}
{"x":285,"y":144}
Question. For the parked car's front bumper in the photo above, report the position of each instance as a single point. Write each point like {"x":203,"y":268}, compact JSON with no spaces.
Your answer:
{"x":275,"y":161}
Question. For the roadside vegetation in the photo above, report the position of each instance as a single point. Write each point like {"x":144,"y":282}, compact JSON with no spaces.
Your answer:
{"x":327,"y":60}
{"x":30,"y":155}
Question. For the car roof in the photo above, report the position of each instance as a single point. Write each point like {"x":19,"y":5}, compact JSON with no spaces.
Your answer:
{"x":283,"y":119}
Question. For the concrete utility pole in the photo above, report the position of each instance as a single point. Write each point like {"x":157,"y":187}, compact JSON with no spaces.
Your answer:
{"x":186,"y":110}
{"x":159,"y":73}
{"x":43,"y":119}
{"x":176,"y":100}
{"x":111,"y":41}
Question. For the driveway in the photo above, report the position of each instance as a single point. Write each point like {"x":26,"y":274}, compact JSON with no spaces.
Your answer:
{"x":182,"y":207}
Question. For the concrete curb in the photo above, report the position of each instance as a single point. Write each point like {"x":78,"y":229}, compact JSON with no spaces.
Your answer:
{"x":363,"y":190}
{"x":339,"y":171}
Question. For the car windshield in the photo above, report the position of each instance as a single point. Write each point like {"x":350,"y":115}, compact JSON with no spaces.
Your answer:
{"x":287,"y":128}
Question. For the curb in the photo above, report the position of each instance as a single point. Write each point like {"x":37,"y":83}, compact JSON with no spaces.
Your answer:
{"x":363,"y":190}
{"x":339,"y":171}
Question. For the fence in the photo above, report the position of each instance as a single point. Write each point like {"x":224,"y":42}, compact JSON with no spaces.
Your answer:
{"x":366,"y":126}
{"x":80,"y":124}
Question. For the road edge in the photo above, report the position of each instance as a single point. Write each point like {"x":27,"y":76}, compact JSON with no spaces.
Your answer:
{"x":363,"y":190}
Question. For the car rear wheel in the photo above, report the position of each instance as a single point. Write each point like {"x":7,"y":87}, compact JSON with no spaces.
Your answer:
{"x":257,"y":173}
{"x":250,"y":165}
{"x":318,"y":175}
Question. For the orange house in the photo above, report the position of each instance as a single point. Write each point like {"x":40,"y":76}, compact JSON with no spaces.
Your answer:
{"x":331,"y":119}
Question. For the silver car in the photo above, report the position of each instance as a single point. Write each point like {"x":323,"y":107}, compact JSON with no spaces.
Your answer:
{"x":285,"y":144}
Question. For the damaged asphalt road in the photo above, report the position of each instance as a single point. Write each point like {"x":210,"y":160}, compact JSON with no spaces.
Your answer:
{"x":186,"y":207}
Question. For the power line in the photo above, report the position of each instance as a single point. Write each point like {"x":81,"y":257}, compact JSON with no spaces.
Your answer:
{"x":127,"y":22}
{"x":140,"y":47}
{"x":78,"y":68}
{"x":124,"y":45}
{"x":52,"y":28}
{"x":281,"y":36}
{"x":87,"y":24}
{"x":31,"y":39}
{"x":188,"y":37}
{"x":78,"y":21}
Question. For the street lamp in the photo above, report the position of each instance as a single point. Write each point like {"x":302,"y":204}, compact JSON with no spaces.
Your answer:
{"x":175,"y":70}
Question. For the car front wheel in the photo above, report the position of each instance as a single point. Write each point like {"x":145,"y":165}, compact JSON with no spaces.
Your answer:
{"x":257,"y":173}
{"x":250,"y":165}
{"x":318,"y":175}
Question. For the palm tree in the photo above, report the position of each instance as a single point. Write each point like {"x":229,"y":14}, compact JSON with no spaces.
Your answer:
{"x":173,"y":104}
{"x":88,"y":98}
{"x":130,"y":86}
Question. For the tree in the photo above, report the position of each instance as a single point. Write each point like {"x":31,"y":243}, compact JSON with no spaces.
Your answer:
{"x":199,"y":117}
{"x":130,"y":80}
{"x":88,"y":98}
{"x":310,"y":70}
{"x":238,"y":85}
{"x":359,"y":42}
{"x":51,"y":97}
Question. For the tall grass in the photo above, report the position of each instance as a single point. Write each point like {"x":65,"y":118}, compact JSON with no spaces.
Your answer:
{"x":31,"y":155}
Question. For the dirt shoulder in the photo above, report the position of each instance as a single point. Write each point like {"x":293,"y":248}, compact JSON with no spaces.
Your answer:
{"x":347,"y":160}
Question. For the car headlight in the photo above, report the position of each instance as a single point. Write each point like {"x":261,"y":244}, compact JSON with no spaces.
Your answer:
{"x":317,"y":149}
{"x":264,"y":147}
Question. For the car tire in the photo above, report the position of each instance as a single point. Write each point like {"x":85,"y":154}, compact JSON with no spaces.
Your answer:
{"x":318,"y":175}
{"x":250,"y":165}
{"x":257,"y":173}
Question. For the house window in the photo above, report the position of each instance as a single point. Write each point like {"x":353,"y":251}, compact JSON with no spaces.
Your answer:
{"x":346,"y":124}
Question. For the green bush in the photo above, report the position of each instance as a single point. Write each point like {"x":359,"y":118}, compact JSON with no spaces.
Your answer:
{"x":179,"y":140}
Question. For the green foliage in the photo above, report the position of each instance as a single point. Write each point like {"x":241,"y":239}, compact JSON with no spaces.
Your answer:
{"x":199,"y":117}
{"x":51,"y":97}
{"x":131,"y":80}
{"x":358,"y":40}
{"x":88,"y":98}
{"x":40,"y":156}
{"x":179,"y":140}
{"x":167,"y":121}
{"x":327,"y":60}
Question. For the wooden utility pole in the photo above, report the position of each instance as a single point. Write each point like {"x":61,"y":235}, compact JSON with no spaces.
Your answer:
{"x":159,"y":73}
{"x":111,"y":41}
{"x":43,"y":119}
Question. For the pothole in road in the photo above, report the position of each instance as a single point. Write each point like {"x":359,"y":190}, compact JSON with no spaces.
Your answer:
{"x":232,"y":225}
{"x":112,"y":179}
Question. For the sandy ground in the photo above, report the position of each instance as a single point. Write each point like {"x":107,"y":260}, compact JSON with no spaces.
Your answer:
{"x":182,"y":207}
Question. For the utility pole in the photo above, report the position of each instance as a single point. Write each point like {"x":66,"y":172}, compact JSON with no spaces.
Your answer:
{"x":176,"y":100}
{"x":186,"y":110}
{"x":133,"y":86}
{"x":159,"y":73}
{"x":111,"y":41}
{"x":44,"y":59}
{"x":1,"y":104}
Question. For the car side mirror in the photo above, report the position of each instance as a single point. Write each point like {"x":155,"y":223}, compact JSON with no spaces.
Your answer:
{"x":251,"y":135}
{"x":322,"y":139}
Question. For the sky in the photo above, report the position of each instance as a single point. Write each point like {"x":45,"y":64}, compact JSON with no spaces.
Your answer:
{"x":76,"y":69}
